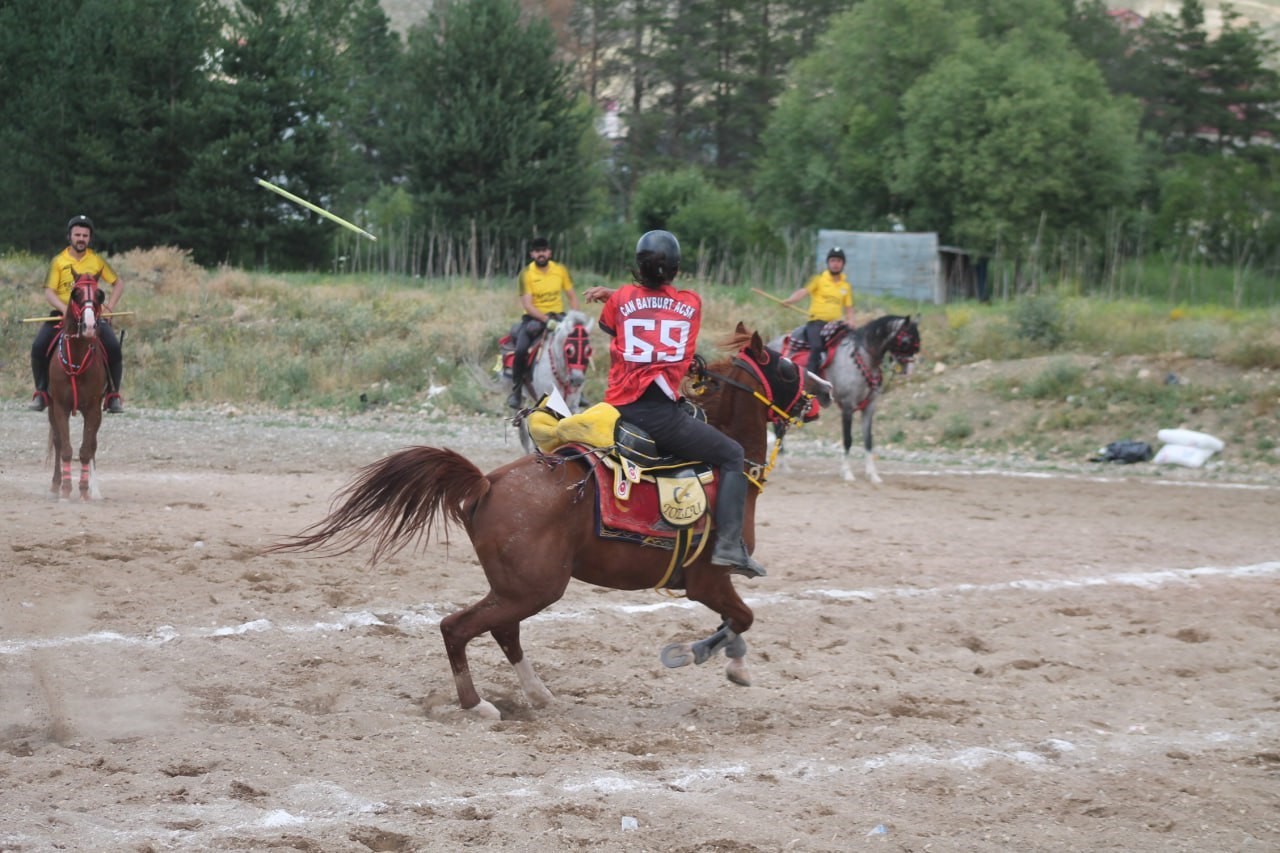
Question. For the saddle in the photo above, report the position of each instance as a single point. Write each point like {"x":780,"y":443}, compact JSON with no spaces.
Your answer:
{"x":642,"y":495}
{"x":796,"y":347}
{"x":507,"y":349}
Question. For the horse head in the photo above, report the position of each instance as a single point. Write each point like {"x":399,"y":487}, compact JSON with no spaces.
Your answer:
{"x":81,"y":319}
{"x":789,"y":394}
{"x":572,"y":342}
{"x":905,"y":341}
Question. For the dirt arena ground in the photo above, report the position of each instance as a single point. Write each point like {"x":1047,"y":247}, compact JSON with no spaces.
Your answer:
{"x":966,"y":658}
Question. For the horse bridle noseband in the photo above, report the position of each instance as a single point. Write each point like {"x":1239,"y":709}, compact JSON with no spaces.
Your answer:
{"x":576,"y":352}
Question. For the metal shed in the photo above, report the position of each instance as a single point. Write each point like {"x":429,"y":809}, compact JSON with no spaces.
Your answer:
{"x":907,"y":265}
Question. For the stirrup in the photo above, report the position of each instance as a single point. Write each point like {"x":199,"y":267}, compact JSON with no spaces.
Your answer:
{"x":114,"y":404}
{"x":741,"y":562}
{"x":39,"y":402}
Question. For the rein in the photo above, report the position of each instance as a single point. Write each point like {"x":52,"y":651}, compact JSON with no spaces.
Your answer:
{"x":758,"y":473}
{"x":74,"y":318}
{"x":901,"y":347}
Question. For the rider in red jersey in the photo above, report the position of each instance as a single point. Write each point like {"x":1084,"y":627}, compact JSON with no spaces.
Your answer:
{"x":654,"y":330}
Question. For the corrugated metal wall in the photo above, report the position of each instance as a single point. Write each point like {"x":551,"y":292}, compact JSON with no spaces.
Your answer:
{"x":904,"y":265}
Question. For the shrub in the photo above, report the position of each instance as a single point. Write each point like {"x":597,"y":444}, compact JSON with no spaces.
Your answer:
{"x":1056,"y":382}
{"x":1039,"y":319}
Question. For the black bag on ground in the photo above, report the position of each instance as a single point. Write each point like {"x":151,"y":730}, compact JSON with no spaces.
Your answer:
{"x":1125,"y":452}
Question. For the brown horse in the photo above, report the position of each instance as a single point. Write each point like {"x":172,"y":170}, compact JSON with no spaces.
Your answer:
{"x":533,"y":531}
{"x":77,"y":383}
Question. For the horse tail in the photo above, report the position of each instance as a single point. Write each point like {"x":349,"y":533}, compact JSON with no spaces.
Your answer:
{"x":395,"y":501}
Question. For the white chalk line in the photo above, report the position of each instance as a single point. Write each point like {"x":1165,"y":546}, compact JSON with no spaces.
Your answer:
{"x":429,"y":615}
{"x":320,"y":804}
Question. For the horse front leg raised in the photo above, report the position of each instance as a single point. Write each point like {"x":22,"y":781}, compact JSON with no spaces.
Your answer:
{"x":711,"y":586}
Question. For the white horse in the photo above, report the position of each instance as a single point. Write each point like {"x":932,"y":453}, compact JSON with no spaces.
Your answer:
{"x":561,"y":363}
{"x":854,"y":371}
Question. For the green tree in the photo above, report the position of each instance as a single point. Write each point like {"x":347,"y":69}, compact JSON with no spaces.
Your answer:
{"x":1112,"y":46}
{"x":974,"y":119}
{"x":495,"y":135}
{"x":831,"y":144}
{"x":99,"y":112}
{"x":1219,"y":208}
{"x":713,"y":224}
{"x":37,"y":59}
{"x":270,"y":115}
{"x":999,"y":140}
{"x":368,"y":77}
{"x":134,"y":145}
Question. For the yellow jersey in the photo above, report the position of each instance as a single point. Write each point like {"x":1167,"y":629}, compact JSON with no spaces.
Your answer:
{"x":829,"y":295}
{"x":547,"y":286}
{"x":64,"y":269}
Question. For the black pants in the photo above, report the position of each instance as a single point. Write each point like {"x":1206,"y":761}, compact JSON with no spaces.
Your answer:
{"x":678,"y":433}
{"x":817,"y":352}
{"x":44,"y":340}
{"x":530,"y":329}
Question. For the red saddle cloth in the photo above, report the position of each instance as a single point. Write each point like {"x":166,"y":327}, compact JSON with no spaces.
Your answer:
{"x":636,"y":519}
{"x":796,"y":348}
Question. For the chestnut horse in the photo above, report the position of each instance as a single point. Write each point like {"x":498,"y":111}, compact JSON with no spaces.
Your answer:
{"x":77,"y":383}
{"x":533,"y":525}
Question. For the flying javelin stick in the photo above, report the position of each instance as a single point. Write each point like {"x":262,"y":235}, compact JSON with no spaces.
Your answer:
{"x":780,"y":302}
{"x":309,"y":206}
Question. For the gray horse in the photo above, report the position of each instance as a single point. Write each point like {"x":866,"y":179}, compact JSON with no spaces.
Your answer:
{"x":854,"y":369}
{"x":561,"y":365}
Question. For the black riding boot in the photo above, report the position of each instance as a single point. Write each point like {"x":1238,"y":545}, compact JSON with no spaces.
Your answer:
{"x":40,"y":376}
{"x":815,"y":361}
{"x":516,"y":400}
{"x":115,"y":366}
{"x":731,"y":505}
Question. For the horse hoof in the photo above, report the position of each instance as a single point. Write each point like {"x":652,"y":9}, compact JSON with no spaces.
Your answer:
{"x":677,"y":655}
{"x":485,"y":710}
{"x":736,"y":672}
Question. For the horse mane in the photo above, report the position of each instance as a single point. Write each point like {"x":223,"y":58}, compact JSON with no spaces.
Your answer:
{"x":732,"y":343}
{"x":736,"y":340}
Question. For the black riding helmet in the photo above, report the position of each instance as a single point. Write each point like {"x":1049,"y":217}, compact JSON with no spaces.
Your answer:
{"x":836,"y":252}
{"x":79,"y":219}
{"x":657,"y":258}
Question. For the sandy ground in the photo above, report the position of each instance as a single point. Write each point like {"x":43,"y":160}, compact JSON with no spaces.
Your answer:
{"x":967,"y":657}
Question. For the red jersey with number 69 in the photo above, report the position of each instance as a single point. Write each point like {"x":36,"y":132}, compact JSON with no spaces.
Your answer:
{"x":655,"y":335}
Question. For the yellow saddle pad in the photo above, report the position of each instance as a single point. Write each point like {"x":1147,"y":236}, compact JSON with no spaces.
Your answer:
{"x":593,"y":427}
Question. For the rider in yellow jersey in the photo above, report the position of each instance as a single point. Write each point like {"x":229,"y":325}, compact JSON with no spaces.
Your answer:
{"x":830,"y":296}
{"x":543,"y":286}
{"x":68,"y":265}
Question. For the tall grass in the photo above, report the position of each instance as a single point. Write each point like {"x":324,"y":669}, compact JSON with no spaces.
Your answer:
{"x":345,"y":342}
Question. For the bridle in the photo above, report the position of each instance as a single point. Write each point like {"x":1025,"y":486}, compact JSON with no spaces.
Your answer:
{"x":904,"y":345}
{"x":576,"y":350}
{"x":791,"y":413}
{"x":80,"y":321}
{"x":902,"y":348}
{"x":80,"y":312}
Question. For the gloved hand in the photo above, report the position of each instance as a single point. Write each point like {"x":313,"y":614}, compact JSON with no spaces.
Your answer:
{"x":552,"y":322}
